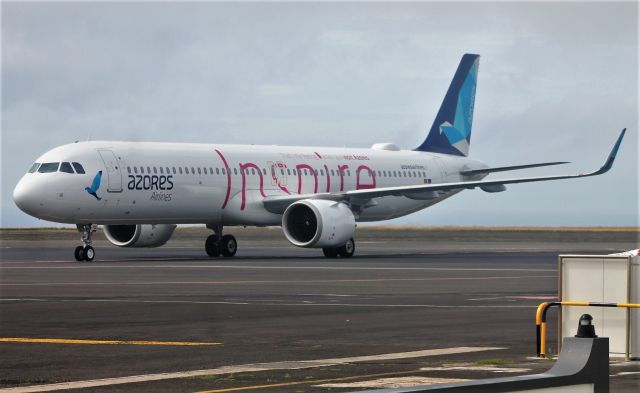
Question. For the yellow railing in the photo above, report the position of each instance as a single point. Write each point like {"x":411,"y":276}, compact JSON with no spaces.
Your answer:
{"x":541,"y":319}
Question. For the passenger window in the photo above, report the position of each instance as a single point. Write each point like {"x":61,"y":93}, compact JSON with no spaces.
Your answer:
{"x":223,"y":171}
{"x":180,"y":169}
{"x":321,"y":172}
{"x":332,"y":173}
{"x":282,"y":171}
{"x":204,"y":170}
{"x":34,"y":167}
{"x":211,"y":171}
{"x":49,"y":167}
{"x":193,"y":171}
{"x":186,"y":170}
{"x":161,"y":170}
{"x":66,"y":167}
{"x":264,"y":171}
{"x":149,"y":170}
{"x":79,"y":169}
{"x":199,"y":171}
{"x":348,"y":172}
{"x":217,"y":171}
{"x":235,"y":171}
{"x":288,"y":172}
{"x":142,"y":169}
{"x":135,"y":169}
{"x":155,"y":170}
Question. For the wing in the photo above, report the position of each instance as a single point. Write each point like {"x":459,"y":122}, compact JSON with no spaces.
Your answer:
{"x":278,"y":204}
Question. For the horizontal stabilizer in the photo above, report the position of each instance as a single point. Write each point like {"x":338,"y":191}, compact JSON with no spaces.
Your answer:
{"x":472,"y":172}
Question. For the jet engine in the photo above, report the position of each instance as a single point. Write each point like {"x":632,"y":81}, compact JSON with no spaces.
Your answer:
{"x":139,"y":235}
{"x":317,"y":223}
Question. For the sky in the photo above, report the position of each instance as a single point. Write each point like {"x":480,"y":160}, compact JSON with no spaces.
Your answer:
{"x":557,"y":82}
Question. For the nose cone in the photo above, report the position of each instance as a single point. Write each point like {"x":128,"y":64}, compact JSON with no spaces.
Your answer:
{"x":25,"y":197}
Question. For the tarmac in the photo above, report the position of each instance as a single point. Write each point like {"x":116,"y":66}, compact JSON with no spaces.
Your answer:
{"x":412,"y":307}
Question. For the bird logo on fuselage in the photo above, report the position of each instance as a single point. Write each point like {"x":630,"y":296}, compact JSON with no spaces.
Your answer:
{"x":95,"y":185}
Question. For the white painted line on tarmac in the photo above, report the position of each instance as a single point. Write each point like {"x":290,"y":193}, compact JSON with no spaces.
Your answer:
{"x":391,"y":383}
{"x":286,"y":365}
{"x":89,"y":265}
{"x":277,"y":303}
{"x":253,"y":282}
{"x":493,"y":369}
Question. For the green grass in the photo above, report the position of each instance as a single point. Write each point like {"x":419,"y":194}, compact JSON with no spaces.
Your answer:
{"x":494,"y":362}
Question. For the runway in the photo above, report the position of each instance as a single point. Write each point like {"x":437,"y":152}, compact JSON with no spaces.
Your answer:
{"x":275,"y":318}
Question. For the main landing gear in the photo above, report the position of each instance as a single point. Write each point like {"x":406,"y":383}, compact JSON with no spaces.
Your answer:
{"x":85,"y":252}
{"x":217,"y":243}
{"x":345,"y":251}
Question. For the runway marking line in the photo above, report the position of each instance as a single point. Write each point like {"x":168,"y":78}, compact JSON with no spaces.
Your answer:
{"x":256,"y":367}
{"x":101,"y":342}
{"x":254,"y":282}
{"x":308,"y":382}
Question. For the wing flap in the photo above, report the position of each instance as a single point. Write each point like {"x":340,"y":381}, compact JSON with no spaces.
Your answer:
{"x":484,"y":171}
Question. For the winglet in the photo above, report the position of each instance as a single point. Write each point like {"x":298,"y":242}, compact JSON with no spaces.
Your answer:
{"x":612,"y":156}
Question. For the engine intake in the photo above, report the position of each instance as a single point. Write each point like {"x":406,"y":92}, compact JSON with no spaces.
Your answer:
{"x":139,"y":235}
{"x":316,"y":223}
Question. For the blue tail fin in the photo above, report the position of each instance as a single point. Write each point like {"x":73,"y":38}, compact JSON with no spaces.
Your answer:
{"x":451,"y":130}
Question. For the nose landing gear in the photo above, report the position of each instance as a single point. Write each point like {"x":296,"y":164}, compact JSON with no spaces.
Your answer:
{"x":85,"y":252}
{"x":217,"y":243}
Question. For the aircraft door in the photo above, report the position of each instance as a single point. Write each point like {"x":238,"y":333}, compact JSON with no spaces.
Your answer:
{"x":438,"y":171}
{"x":278,"y":174}
{"x":114,"y":175}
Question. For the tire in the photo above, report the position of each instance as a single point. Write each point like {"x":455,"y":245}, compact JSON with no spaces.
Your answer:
{"x":211,"y":246}
{"x":228,"y":246}
{"x":89,"y":253}
{"x":79,"y":253}
{"x":348,"y":249}
{"x":330,"y":252}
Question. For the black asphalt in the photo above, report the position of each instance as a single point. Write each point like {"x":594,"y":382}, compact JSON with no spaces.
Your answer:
{"x":272,"y":303}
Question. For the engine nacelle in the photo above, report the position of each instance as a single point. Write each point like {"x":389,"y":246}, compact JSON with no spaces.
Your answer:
{"x":138,"y":235}
{"x":318,"y":223}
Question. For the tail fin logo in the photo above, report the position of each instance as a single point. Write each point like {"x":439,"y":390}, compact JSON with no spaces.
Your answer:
{"x":95,"y":185}
{"x":451,"y":130}
{"x":458,"y":134}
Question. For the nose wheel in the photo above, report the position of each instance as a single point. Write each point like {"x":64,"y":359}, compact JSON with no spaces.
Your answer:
{"x":85,"y":252}
{"x":218,"y":244}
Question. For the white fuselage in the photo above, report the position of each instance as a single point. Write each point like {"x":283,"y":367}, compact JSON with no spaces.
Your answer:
{"x":179,"y":183}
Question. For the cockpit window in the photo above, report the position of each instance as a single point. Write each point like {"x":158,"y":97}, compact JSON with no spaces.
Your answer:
{"x":49,"y":167}
{"x":78,"y":167}
{"x":34,"y":167}
{"x":66,"y":167}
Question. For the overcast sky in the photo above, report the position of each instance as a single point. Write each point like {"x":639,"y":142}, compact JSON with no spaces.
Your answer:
{"x":557,"y":81}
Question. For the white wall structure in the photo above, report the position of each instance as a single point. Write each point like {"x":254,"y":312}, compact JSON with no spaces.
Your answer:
{"x":602,"y":279}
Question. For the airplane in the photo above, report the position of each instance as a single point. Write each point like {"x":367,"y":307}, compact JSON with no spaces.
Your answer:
{"x":140,"y":191}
